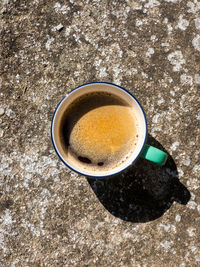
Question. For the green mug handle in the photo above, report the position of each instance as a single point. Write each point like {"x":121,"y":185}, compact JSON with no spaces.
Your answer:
{"x":154,"y":154}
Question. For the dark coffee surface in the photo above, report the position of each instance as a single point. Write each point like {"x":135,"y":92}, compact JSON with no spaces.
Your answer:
{"x":99,"y":129}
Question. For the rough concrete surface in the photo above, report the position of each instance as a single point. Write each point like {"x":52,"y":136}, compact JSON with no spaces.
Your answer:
{"x":149,"y":215}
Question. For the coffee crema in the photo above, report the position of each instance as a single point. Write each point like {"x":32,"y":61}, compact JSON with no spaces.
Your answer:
{"x":99,"y":131}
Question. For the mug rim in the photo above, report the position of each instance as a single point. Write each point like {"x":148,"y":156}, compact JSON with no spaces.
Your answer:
{"x":98,"y":176}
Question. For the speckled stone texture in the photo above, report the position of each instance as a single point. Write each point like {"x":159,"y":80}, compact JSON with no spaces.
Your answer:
{"x":148,"y":216}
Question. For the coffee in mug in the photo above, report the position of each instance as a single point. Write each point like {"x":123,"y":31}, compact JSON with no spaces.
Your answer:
{"x":100,"y":129}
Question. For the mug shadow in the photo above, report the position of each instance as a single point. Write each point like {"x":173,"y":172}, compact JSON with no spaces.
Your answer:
{"x":144,"y":192}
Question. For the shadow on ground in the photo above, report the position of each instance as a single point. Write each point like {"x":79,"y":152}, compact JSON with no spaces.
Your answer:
{"x":144,"y":192}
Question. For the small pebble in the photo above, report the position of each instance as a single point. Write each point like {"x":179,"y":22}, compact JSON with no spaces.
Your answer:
{"x":58,"y":28}
{"x":1,"y":111}
{"x":1,"y":133}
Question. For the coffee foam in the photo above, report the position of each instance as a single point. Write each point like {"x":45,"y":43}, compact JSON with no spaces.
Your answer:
{"x":99,"y":131}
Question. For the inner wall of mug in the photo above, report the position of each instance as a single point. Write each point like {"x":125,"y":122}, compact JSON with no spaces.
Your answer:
{"x":99,"y":87}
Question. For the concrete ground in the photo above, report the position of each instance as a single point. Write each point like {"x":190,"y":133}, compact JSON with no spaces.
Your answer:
{"x":148,"y":216}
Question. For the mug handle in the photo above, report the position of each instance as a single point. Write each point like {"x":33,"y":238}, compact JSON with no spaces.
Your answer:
{"x":154,"y":154}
